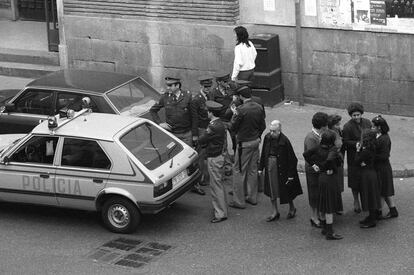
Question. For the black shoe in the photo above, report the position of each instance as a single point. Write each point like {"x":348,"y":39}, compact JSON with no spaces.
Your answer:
{"x":273,"y":218}
{"x":392,"y":214}
{"x":216,"y":220}
{"x":230,"y":193}
{"x":234,"y":205}
{"x":339,"y":213}
{"x":366,"y":220}
{"x":323,"y":226}
{"x":291,"y":215}
{"x":333,"y":236}
{"x":368,"y":224}
{"x":357,"y":210}
{"x":198,"y":190}
{"x":314,"y":224}
{"x":250,"y":202}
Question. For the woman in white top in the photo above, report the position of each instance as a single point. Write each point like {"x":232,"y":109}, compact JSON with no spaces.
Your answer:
{"x":244,"y":56}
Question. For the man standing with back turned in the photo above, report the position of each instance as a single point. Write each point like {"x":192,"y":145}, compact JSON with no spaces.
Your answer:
{"x":248,"y":122}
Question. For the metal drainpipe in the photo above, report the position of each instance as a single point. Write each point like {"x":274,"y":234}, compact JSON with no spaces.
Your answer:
{"x":299,"y":51}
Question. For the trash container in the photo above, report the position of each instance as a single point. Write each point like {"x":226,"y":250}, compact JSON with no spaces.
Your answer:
{"x":267,"y":81}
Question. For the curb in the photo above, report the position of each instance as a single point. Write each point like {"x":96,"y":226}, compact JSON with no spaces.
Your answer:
{"x":401,"y":172}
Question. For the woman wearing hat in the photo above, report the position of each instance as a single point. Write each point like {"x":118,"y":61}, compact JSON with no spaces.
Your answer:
{"x":244,"y":55}
{"x":334,"y":124}
{"x":382,"y":164}
{"x":352,"y":135}
{"x":281,"y":176}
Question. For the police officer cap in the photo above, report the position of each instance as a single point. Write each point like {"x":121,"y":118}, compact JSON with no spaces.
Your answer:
{"x":206,"y":80}
{"x":243,"y":82}
{"x":169,"y":80}
{"x":244,"y":91}
{"x":222,"y":76}
{"x":213,"y":105}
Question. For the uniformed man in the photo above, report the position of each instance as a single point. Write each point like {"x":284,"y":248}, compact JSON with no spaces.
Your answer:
{"x":223,"y":94}
{"x":248,"y":123}
{"x":199,"y":101}
{"x":214,"y":139}
{"x":180,"y":115}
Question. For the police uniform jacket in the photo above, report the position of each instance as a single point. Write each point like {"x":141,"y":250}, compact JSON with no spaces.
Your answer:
{"x":224,"y":99}
{"x":282,"y":149}
{"x":180,"y":113}
{"x":249,"y":123}
{"x":214,"y":138}
{"x":199,"y":104}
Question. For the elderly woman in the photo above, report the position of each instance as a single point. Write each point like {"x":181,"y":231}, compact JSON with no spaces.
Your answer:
{"x":281,"y":176}
{"x":352,"y":135}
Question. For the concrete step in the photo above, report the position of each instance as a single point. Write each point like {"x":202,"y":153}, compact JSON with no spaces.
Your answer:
{"x":29,"y":56}
{"x":26,"y":70}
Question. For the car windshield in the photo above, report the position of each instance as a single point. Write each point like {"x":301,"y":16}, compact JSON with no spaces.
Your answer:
{"x":150,"y":145}
{"x":133,"y":98}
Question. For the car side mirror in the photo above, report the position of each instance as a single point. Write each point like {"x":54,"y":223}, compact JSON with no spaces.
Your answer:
{"x":10,"y":107}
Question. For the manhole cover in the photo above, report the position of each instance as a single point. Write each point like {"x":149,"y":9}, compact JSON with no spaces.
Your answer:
{"x":128,"y":252}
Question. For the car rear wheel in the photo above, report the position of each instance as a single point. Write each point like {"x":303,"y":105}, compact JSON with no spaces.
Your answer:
{"x":120,"y":215}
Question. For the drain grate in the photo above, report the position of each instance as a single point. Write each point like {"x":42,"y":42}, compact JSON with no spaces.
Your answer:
{"x":128,"y":252}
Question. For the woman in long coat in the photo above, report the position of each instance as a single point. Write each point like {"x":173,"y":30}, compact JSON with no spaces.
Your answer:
{"x":352,"y":133}
{"x":281,"y":175}
{"x":382,"y":164}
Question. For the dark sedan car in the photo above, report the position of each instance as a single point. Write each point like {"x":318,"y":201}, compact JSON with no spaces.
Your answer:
{"x":109,"y":92}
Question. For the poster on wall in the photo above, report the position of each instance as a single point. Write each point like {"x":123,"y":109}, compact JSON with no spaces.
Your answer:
{"x":378,"y":13}
{"x":335,"y":12}
{"x":361,"y":12}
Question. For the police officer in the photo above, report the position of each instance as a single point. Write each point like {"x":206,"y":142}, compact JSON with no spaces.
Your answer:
{"x":248,"y":123}
{"x":215,"y":141}
{"x":222,"y":94}
{"x":199,"y":101}
{"x":180,"y":115}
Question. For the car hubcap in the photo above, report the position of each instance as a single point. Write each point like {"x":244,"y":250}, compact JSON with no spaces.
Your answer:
{"x":118,"y":216}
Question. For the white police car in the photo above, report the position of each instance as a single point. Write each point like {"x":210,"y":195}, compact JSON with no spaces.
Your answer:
{"x":119,"y":165}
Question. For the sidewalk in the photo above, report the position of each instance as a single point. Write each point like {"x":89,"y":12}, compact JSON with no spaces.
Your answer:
{"x":296,"y":123}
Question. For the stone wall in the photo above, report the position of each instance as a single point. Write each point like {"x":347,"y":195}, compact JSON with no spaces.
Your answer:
{"x":152,"y":49}
{"x":4,"y":4}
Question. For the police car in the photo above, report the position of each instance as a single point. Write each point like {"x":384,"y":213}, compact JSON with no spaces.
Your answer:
{"x":122,"y":166}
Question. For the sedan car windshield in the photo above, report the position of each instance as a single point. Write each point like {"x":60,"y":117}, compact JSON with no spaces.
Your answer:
{"x":134,"y":97}
{"x":150,"y":145}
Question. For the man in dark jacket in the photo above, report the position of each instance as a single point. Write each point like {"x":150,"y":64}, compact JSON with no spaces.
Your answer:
{"x":248,"y":123}
{"x":214,"y":140}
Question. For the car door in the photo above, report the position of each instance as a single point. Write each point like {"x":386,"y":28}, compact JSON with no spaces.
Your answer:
{"x":28,"y":176}
{"x":30,"y":107}
{"x":83,"y":172}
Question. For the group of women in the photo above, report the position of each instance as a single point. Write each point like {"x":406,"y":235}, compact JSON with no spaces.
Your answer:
{"x":367,"y":146}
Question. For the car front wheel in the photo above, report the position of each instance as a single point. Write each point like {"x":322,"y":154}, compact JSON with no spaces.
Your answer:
{"x":120,"y":215}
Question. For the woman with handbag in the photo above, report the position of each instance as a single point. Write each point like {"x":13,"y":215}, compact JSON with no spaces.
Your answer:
{"x":281,"y":176}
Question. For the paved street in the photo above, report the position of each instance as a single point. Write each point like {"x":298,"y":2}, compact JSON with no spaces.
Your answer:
{"x":38,"y":240}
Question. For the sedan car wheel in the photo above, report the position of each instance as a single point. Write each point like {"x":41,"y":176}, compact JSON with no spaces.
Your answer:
{"x":120,"y":215}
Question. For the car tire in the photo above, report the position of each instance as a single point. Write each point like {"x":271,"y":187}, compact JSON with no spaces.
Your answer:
{"x":120,"y":215}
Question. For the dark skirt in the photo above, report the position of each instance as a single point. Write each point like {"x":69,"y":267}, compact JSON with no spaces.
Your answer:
{"x":246,"y":75}
{"x":273,"y":178}
{"x":313,"y":189}
{"x":328,"y":190}
{"x":385,"y":179}
{"x":369,"y":191}
{"x":354,"y":177}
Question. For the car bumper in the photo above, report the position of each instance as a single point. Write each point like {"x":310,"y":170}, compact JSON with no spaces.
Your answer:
{"x":152,"y":208}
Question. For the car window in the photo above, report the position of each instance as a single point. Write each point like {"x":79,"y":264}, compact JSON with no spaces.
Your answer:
{"x":84,"y":153}
{"x":35,"y":102}
{"x":73,"y":101}
{"x":150,"y":145}
{"x":38,"y":149}
{"x":132,"y":94}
